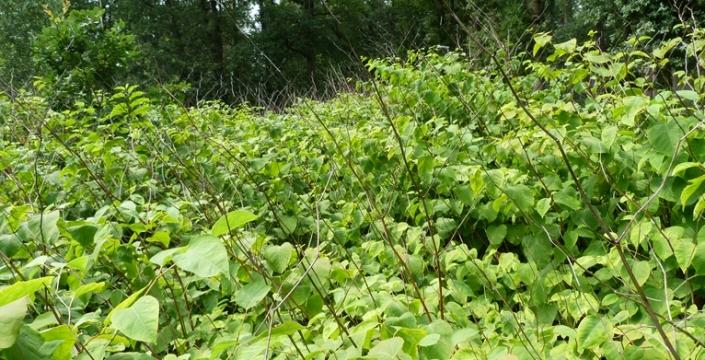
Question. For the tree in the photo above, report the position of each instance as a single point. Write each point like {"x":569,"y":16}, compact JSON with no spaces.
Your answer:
{"x":78,"y":55}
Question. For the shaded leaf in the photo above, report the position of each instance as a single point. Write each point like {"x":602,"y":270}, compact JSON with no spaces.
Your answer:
{"x":139,"y":321}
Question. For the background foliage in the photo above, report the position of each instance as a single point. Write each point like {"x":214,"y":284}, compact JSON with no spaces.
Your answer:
{"x":268,"y":52}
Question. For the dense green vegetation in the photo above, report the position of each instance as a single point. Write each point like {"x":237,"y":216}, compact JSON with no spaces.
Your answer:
{"x":269,"y":51}
{"x":546,"y":209}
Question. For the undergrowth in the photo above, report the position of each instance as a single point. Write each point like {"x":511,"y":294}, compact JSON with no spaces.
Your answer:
{"x":550,"y":210}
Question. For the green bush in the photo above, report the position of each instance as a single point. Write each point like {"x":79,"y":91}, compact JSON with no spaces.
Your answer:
{"x":77,"y":55}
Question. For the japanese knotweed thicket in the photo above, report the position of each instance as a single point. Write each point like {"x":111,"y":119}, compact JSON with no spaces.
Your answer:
{"x":549,"y":211}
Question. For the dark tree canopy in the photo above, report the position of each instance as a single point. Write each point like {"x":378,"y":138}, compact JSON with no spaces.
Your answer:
{"x":271,"y":50}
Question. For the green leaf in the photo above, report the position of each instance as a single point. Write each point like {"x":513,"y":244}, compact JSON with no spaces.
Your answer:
{"x":690,"y":189}
{"x":425,"y":167}
{"x":591,"y":333}
{"x":542,"y":206}
{"x":609,"y":135}
{"x":429,"y":340}
{"x":41,"y":227}
{"x":665,"y":47}
{"x":640,"y":232}
{"x":251,"y":294}
{"x":699,"y":258}
{"x":89,"y":288}
{"x":288,"y":223}
{"x":29,"y":346}
{"x":682,"y":167}
{"x":124,"y":304}
{"x":633,"y":105}
{"x":205,"y":256}
{"x":642,"y":271}
{"x":279,"y":256}
{"x":688,"y":95}
{"x":540,"y":40}
{"x":64,"y":339}
{"x":387,"y":349}
{"x":522,"y":196}
{"x":130,"y":356}
{"x":165,"y":256}
{"x":231,"y":221}
{"x":684,"y":251}
{"x":699,"y":207}
{"x":84,"y":234}
{"x":283,"y":329}
{"x":664,"y":137}
{"x":568,"y":198}
{"x":11,"y":317}
{"x":565,"y":47}
{"x":139,"y":321}
{"x":21,"y":289}
{"x":496,"y":233}
{"x":595,"y":57}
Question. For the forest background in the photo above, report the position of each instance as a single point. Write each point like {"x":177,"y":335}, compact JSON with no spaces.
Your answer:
{"x":269,"y":52}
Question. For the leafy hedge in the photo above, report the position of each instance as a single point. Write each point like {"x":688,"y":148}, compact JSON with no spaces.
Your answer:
{"x":549,"y":210}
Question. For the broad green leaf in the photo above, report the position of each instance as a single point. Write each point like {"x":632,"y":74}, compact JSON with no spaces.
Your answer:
{"x":664,"y":137}
{"x":699,"y":258}
{"x":569,"y":198}
{"x":633,"y":105}
{"x":165,"y":256}
{"x":251,"y":294}
{"x":522,"y":196}
{"x":387,"y":349}
{"x":21,"y":289}
{"x":690,"y":189}
{"x":595,"y":57}
{"x":9,"y":245}
{"x":29,"y":346}
{"x":64,"y":338}
{"x":89,"y":288}
{"x":40,"y":228}
{"x":684,"y":250}
{"x":609,"y":135}
{"x":542,"y":206}
{"x":565,"y":47}
{"x":425,"y":167}
{"x":665,"y":47}
{"x":124,"y":304}
{"x":688,"y":95}
{"x":540,"y":40}
{"x":161,"y":237}
{"x":591,"y":333}
{"x":429,"y":340}
{"x":279,"y":256}
{"x":642,"y":271}
{"x":640,"y":232}
{"x":96,"y":347}
{"x":699,"y":207}
{"x":139,"y":321}
{"x":84,"y":234}
{"x":682,"y":167}
{"x":11,"y":317}
{"x":283,"y":329}
{"x":496,"y":233}
{"x":288,"y":223}
{"x":205,"y":256}
{"x":130,"y":356}
{"x":463,"y":335}
{"x":232,"y":220}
